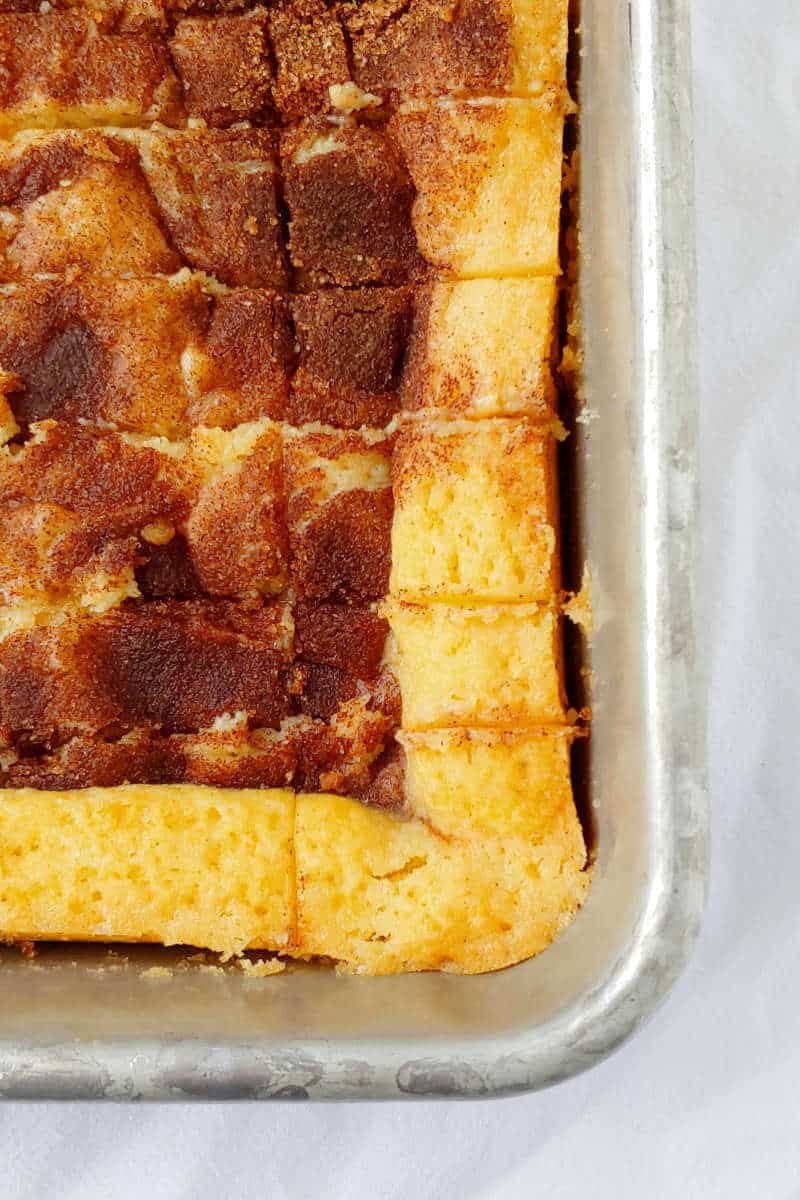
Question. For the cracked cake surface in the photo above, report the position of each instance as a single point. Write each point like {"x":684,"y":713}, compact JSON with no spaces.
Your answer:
{"x":281,"y":605}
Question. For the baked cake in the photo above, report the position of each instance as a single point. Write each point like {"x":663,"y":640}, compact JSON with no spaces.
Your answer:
{"x":280,"y":596}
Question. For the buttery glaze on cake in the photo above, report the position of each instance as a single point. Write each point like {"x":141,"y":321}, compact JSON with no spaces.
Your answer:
{"x":280,"y":606}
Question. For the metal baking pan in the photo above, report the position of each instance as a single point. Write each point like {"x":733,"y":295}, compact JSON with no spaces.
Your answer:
{"x":75,"y":1023}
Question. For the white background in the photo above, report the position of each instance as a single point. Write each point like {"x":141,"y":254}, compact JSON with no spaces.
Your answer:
{"x":704,"y":1102}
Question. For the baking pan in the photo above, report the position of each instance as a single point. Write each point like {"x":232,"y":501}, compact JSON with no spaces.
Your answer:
{"x":76,"y":1022}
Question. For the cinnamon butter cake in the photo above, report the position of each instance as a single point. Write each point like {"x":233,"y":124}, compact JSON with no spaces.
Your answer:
{"x":280,"y":598}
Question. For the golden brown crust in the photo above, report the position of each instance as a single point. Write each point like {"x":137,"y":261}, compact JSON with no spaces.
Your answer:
{"x":366,"y":204}
{"x":352,"y":349}
{"x":82,"y":512}
{"x":200,"y":691}
{"x":217,"y":197}
{"x":339,"y":528}
{"x":223,"y":65}
{"x":58,"y":69}
{"x":142,"y":203}
{"x":128,"y":16}
{"x":150,"y":355}
{"x":482,"y":348}
{"x":103,"y":217}
{"x":349,"y":198}
{"x":310,"y":55}
{"x":474,"y":159}
{"x":476,"y":513}
{"x":431,"y":47}
{"x":140,"y":532}
{"x":399,"y":49}
{"x":163,"y":355}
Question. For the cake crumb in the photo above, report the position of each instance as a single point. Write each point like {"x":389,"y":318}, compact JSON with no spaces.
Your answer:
{"x":579,"y":607}
{"x":157,"y":973}
{"x":259,"y":968}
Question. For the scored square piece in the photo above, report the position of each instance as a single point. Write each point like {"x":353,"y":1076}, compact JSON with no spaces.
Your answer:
{"x":352,"y":346}
{"x":311,"y":57}
{"x":468,"y":782}
{"x":487,"y":175}
{"x":491,"y":665}
{"x":224,"y":67}
{"x":483,"y":348}
{"x":476,"y":512}
{"x":349,"y":198}
{"x":339,"y":513}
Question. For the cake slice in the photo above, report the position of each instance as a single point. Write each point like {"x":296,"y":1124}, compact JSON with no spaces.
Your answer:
{"x":487,"y":783}
{"x":476,"y":512}
{"x":440,"y":48}
{"x":311,"y":56}
{"x":487,"y":175}
{"x":349,"y":198}
{"x":352,"y":344}
{"x":339,"y":512}
{"x":224,"y":67}
{"x":497,"y":665}
{"x":149,"y":864}
{"x":483,"y":348}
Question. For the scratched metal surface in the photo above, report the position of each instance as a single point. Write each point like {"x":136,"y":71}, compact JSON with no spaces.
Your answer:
{"x":78,"y":1024}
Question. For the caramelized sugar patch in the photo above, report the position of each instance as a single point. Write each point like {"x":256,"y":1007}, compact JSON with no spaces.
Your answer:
{"x":200,"y":691}
{"x":350,"y":199}
{"x":352,"y":350}
{"x":83,"y":512}
{"x":430,"y":47}
{"x":155,"y":356}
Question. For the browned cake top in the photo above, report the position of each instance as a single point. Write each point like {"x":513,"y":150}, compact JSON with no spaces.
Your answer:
{"x":171,"y":683}
{"x":349,"y":198}
{"x":198,"y":691}
{"x":144,"y":204}
{"x":63,"y":57}
{"x":430,"y":47}
{"x":353,"y":345}
{"x":163,"y":356}
{"x":243,"y":513}
{"x":142,"y":60}
{"x":216,"y":302}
